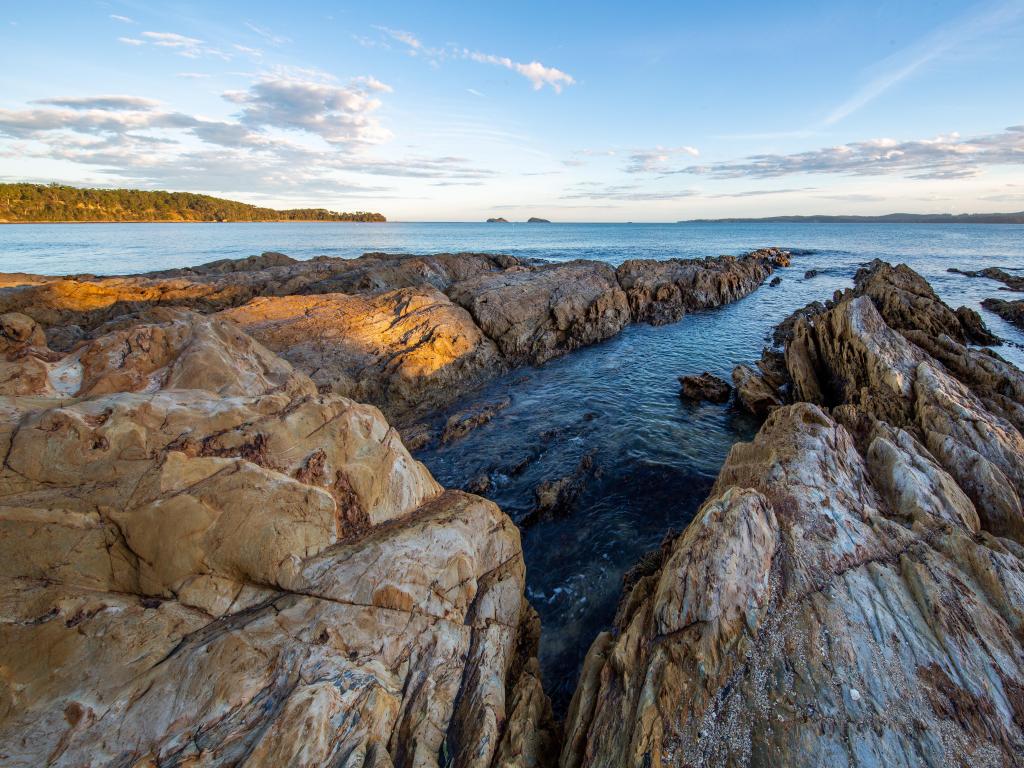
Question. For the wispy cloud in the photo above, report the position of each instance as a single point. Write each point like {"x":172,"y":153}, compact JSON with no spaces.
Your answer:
{"x":944,"y":157}
{"x":131,"y":41}
{"x":266,"y":34}
{"x":105,"y":103}
{"x":122,"y":19}
{"x":538,"y":74}
{"x":406,"y":38}
{"x":657,"y":160}
{"x":189,"y":47}
{"x":898,"y":67}
{"x":623,"y":192}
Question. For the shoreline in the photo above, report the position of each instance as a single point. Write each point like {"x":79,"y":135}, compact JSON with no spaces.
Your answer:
{"x":166,"y":221}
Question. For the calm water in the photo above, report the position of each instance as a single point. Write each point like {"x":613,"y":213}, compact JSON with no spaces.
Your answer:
{"x":655,"y":456}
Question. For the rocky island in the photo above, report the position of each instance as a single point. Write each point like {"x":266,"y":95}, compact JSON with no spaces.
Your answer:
{"x":218,"y":550}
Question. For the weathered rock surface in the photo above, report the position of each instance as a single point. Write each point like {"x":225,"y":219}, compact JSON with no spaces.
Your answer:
{"x":407,"y":351}
{"x":852,"y":592}
{"x":662,"y":292}
{"x":707,"y":386}
{"x":224,"y":569}
{"x":753,"y":392}
{"x":536,"y":313}
{"x":556,"y":497}
{"x":462,"y":422}
{"x":1010,"y":311}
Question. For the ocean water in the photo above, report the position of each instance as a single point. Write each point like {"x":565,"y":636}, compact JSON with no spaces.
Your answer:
{"x":654,"y":456}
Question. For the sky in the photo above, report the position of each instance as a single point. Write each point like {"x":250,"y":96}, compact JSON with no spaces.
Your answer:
{"x":572,"y":111}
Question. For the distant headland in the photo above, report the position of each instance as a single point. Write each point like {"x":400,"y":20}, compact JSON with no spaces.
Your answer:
{"x":44,"y":203}
{"x":890,"y":218}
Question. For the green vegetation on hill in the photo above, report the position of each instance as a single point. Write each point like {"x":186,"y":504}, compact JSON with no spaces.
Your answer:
{"x":55,"y":202}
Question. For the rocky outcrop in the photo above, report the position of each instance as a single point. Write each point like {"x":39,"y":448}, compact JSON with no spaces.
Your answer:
{"x":203,"y":563}
{"x":1010,"y":311}
{"x":408,"y":351}
{"x":707,"y":386}
{"x":753,"y":392}
{"x":1012,"y":282}
{"x":536,"y":313}
{"x":852,"y":591}
{"x":662,"y":292}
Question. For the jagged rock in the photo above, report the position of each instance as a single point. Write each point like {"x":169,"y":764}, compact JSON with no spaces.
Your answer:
{"x":811,"y":273}
{"x":906,"y":301}
{"x":461,"y":423}
{"x":705,"y":387}
{"x":803,"y":587}
{"x":775,"y":281}
{"x":223,"y":266}
{"x":540,"y":312}
{"x":662,"y":291}
{"x":1012,"y":282}
{"x":245,"y":574}
{"x":23,"y":356}
{"x":1010,"y":311}
{"x":407,"y":351}
{"x":854,"y":585}
{"x":753,"y":392}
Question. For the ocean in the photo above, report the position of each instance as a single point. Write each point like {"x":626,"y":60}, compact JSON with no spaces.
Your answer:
{"x":655,"y":457}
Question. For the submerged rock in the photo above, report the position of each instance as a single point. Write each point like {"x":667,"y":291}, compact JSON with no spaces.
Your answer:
{"x":704,"y":387}
{"x":1012,"y":282}
{"x":556,"y":497}
{"x":461,"y":423}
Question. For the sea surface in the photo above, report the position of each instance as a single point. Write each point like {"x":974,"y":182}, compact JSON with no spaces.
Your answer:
{"x":654,"y":456}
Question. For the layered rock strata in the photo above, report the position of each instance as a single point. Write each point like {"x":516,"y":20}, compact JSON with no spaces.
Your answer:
{"x":206,"y":562}
{"x":852,"y":591}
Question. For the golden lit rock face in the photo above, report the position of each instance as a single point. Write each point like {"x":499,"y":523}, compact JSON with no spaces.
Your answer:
{"x":408,"y":350}
{"x":205,"y":562}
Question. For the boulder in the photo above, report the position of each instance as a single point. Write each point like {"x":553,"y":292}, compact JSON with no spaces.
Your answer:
{"x":409,"y":351}
{"x":539,"y":312}
{"x":753,"y":392}
{"x":704,"y":387}
{"x":219,"y":570}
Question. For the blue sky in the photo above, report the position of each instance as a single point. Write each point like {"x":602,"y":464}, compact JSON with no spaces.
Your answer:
{"x":574,"y":111}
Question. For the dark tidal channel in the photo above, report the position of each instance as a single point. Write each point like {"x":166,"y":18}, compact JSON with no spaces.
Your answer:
{"x":655,"y":456}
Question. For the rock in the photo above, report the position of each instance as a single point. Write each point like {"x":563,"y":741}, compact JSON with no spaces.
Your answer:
{"x":556,"y":497}
{"x":974,"y":327}
{"x":1012,"y":282}
{"x":811,"y":273}
{"x":775,"y":281}
{"x":535,"y":220}
{"x":1010,"y":311}
{"x":224,"y":266}
{"x":24,"y":356}
{"x":753,"y":393}
{"x":409,"y":351}
{"x":537,"y":313}
{"x":705,"y":387}
{"x":498,"y":220}
{"x":463,"y":422}
{"x":239,"y":575}
{"x":906,"y":301}
{"x":759,"y":609}
{"x":662,"y":292}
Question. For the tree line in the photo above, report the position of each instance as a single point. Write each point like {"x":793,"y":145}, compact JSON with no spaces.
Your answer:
{"x":57,"y":202}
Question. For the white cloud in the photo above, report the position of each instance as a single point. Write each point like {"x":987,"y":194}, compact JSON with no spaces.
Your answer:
{"x":623,"y":192}
{"x":339,"y":114}
{"x":373,"y":84}
{"x":131,"y":41}
{"x":189,"y":47}
{"x":944,"y":157}
{"x":106,"y":103}
{"x":538,"y":74}
{"x":267,"y":35}
{"x":657,"y":160}
{"x":407,"y":38}
{"x":122,"y":19}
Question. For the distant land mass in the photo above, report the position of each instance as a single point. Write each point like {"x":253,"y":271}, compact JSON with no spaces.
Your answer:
{"x":889,"y":218}
{"x":58,"y":203}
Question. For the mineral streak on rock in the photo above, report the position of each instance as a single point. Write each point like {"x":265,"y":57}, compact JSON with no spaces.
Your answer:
{"x":852,"y":591}
{"x":206,"y":562}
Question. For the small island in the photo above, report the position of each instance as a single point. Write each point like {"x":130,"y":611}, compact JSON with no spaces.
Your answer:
{"x":50,"y":203}
{"x":535,"y":220}
{"x":498,"y":220}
